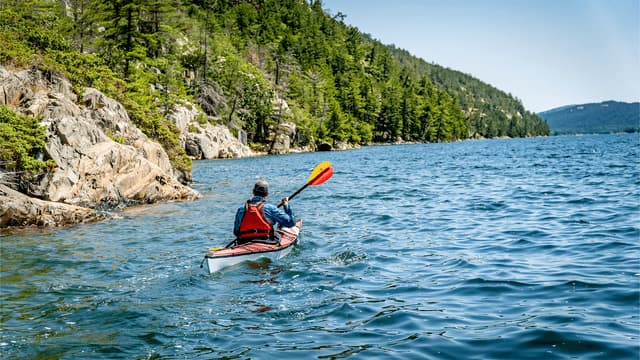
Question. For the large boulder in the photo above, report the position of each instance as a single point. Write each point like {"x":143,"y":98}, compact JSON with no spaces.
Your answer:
{"x":283,"y":135}
{"x":20,"y":87}
{"x":95,"y":171}
{"x":205,"y":140}
{"x":17,"y":209}
{"x":112,"y":118}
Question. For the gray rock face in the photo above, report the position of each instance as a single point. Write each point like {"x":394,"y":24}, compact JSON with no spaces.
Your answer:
{"x":111,"y":117}
{"x":102,"y":158}
{"x":206,"y":141}
{"x":94,"y":171}
{"x":284,"y":132}
{"x":17,"y":209}
{"x":29,"y":89}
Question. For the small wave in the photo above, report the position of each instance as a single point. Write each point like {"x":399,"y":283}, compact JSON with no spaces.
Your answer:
{"x":529,"y":233}
{"x":546,"y":342}
{"x":488,"y":282}
{"x":458,"y":263}
{"x":522,"y":242}
{"x":489,"y":206}
{"x":487,"y":288}
{"x":631,"y":231}
{"x":347,"y":257}
{"x":620,"y":166}
{"x":394,"y":317}
{"x":383,"y":219}
{"x":608,"y":245}
{"x":584,"y":285}
{"x":563,"y":288}
{"x":582,"y":201}
{"x":530,"y":246}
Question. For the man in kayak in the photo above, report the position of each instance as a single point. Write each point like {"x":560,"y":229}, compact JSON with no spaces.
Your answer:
{"x":255,"y":220}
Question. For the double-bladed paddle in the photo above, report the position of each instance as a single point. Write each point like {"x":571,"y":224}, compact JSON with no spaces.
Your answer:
{"x":319,"y":175}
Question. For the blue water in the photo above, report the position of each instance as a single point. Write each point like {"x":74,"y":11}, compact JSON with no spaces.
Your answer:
{"x":512,"y":249}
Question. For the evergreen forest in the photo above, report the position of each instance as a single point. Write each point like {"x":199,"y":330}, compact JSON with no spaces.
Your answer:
{"x":251,"y":65}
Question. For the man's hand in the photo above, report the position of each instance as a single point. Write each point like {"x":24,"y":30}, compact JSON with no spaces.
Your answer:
{"x":285,"y":201}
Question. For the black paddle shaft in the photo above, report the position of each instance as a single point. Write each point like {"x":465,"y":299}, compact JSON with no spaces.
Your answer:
{"x":295,"y":193}
{"x":309,"y":183}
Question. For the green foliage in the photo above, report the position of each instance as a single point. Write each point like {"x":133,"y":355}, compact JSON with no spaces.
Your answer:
{"x":22,"y":140}
{"x":145,"y":109}
{"x":31,"y":38}
{"x":14,"y":49}
{"x":250,"y":95}
{"x":87,"y":70}
{"x":234,"y":58}
{"x":118,"y":139}
{"x":341,"y":79}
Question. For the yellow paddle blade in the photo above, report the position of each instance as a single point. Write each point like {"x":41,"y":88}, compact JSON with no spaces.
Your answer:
{"x":217,"y":248}
{"x":320,"y":174}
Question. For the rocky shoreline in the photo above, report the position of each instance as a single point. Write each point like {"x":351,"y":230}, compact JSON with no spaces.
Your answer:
{"x":19,"y":210}
{"x":103,"y":160}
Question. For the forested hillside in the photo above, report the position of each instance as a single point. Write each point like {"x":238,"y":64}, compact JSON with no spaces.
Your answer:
{"x":604,"y":117}
{"x":251,"y":65}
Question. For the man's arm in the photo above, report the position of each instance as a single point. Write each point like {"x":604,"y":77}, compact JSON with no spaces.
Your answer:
{"x":236,"y":225}
{"x":283,"y":217}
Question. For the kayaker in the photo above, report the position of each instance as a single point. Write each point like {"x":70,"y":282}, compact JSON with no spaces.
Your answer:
{"x":255,"y":220}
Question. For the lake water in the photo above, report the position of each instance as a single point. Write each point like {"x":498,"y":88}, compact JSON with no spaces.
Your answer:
{"x":519,"y":249}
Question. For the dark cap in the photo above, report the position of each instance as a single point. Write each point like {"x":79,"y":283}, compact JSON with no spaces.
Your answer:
{"x":261,"y":188}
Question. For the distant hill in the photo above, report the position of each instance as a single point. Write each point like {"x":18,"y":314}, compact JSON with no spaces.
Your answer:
{"x":594,"y":118}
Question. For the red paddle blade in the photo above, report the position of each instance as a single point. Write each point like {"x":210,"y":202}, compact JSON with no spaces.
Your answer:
{"x":320,"y":174}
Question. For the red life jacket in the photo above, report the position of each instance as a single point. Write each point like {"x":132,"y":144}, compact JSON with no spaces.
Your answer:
{"x":254,"y":225}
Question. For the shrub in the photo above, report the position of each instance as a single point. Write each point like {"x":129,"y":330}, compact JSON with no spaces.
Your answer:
{"x":22,"y":139}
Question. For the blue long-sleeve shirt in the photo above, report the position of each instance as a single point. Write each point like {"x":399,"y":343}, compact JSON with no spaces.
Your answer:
{"x":273,"y":214}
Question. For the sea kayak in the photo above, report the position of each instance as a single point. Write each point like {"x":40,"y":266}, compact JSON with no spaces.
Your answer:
{"x":220,"y":258}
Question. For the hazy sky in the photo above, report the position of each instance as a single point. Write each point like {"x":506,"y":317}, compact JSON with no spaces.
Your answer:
{"x":548,"y":53}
